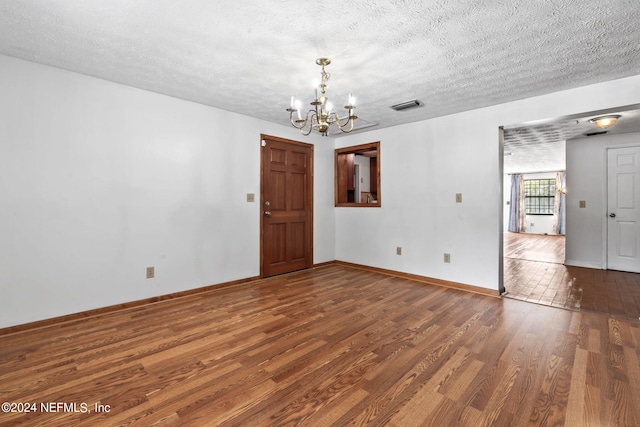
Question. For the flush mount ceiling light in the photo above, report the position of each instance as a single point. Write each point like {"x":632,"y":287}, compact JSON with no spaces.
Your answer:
{"x":321,"y":115}
{"x":605,"y":122}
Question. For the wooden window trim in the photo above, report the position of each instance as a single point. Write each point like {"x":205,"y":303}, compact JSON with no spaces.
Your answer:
{"x":357,"y":149}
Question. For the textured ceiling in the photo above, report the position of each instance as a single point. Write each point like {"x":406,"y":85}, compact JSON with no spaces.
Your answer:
{"x":541,"y":147}
{"x":250,"y":56}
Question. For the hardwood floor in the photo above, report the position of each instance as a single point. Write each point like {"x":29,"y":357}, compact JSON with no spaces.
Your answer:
{"x":331,"y":346}
{"x":534,"y":247}
{"x":530,"y":274}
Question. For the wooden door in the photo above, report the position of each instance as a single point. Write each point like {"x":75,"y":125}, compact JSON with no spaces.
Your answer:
{"x":623,"y":209}
{"x":286,"y":206}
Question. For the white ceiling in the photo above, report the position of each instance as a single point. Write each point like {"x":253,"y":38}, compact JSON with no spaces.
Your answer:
{"x":540,"y":147}
{"x":251,"y":56}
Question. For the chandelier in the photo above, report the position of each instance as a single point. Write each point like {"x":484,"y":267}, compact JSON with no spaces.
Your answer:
{"x":321,"y":115}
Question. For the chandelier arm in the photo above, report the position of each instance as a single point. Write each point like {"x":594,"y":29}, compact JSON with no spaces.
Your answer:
{"x":307,"y":132}
{"x":294,"y":122}
{"x":308,"y":120}
{"x":342,"y":125}
{"x":350,"y":127}
{"x":346,"y":122}
{"x":350,"y":119}
{"x":301,"y":124}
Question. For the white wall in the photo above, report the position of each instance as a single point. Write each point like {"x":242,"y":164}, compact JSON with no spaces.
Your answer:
{"x":99,"y":181}
{"x":506,"y":201}
{"x":424,"y":164}
{"x":587,"y":180}
{"x":365,"y":173}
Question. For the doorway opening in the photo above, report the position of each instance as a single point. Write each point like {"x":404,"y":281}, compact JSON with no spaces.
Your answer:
{"x":533,"y":266}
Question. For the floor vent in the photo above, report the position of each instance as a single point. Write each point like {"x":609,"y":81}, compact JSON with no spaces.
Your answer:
{"x":407,"y":105}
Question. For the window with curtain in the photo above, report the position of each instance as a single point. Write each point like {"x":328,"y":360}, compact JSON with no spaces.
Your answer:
{"x":539,"y":196}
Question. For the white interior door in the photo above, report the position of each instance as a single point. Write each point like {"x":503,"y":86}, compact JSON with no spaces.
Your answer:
{"x":623,"y":223}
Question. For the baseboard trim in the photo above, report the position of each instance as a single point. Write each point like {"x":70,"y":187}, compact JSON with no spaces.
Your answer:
{"x":573,"y":263}
{"x":324,"y":264}
{"x":117,"y":307}
{"x":429,"y":280}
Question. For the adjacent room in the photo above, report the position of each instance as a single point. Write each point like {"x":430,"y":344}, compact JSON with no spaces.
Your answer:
{"x":537,"y":266}
{"x":285,"y":213}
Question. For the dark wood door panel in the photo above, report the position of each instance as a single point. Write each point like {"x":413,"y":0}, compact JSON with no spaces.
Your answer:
{"x":277,"y":199}
{"x":287,"y":206}
{"x":298,"y":195}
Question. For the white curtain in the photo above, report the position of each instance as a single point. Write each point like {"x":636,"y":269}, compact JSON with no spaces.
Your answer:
{"x":517,"y":208}
{"x":559,"y":216}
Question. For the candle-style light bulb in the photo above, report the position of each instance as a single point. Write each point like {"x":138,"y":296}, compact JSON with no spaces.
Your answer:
{"x":292,"y":102}
{"x":298,"y":104}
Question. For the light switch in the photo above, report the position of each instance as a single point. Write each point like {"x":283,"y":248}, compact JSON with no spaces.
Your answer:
{"x":458,"y":197}
{"x":583,"y":203}
{"x":251,"y":197}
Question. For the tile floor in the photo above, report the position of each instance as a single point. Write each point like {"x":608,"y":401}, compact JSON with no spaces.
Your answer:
{"x":535,"y":275}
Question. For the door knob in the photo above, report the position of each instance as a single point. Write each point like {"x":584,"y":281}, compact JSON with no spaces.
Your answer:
{"x":612,"y":215}
{"x":267,"y":213}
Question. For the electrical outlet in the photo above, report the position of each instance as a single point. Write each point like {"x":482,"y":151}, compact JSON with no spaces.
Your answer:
{"x":398,"y":250}
{"x":251,"y":197}
{"x":583,"y":203}
{"x":151,"y":272}
{"x":458,"y":197}
{"x":447,"y":257}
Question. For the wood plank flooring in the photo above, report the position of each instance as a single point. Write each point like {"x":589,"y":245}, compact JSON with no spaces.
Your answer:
{"x":531,"y":275}
{"x":534,"y":247}
{"x":331,"y":346}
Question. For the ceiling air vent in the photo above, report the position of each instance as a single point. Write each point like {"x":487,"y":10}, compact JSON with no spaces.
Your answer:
{"x":407,"y":105}
{"x":595,"y":133}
